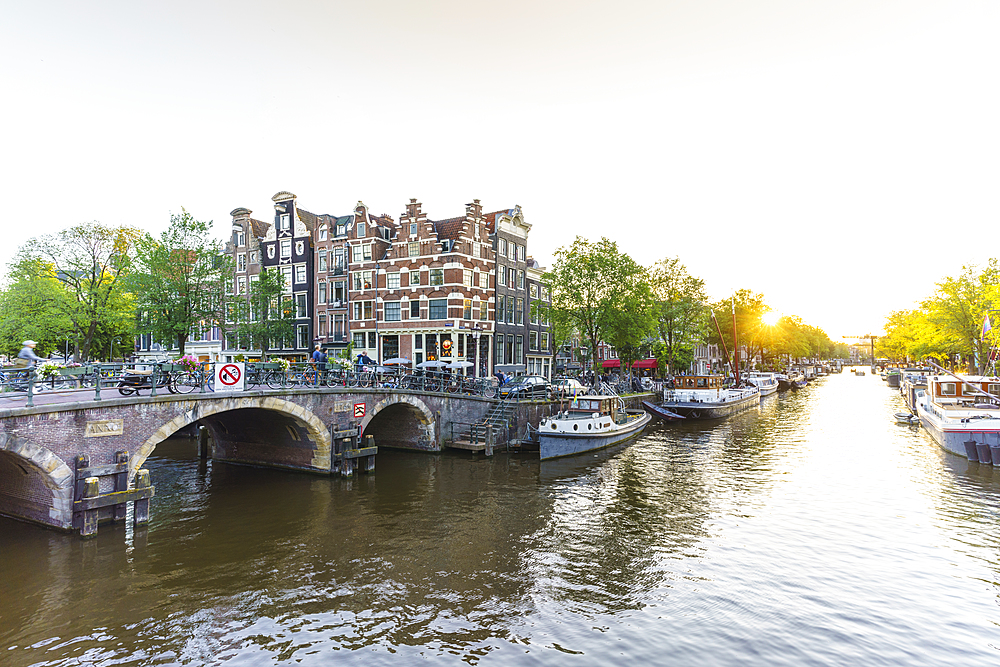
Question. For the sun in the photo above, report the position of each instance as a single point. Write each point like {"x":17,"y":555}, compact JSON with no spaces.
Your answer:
{"x":770,"y":318}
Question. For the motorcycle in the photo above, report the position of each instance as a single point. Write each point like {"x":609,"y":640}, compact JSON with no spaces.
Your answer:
{"x":134,"y":380}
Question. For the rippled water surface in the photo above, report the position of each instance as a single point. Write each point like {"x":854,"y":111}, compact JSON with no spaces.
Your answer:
{"x":814,"y":531}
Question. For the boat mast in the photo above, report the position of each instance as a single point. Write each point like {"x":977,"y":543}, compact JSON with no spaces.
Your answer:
{"x":736,"y":344}
{"x":722,"y":340}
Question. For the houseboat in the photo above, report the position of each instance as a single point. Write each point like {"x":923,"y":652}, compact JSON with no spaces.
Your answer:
{"x":707,"y":397}
{"x":962,"y":413}
{"x":589,"y":423}
{"x":766,"y":382}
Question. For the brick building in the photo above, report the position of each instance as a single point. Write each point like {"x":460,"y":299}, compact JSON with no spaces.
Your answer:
{"x":421,"y":289}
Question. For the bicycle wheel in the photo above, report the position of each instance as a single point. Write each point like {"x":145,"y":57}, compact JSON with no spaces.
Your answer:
{"x":185,"y":383}
{"x":274,"y":379}
{"x":489,"y":389}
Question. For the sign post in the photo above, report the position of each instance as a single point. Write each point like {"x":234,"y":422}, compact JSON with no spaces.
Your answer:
{"x":230,"y":376}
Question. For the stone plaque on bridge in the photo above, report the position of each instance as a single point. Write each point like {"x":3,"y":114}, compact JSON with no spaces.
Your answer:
{"x":104,"y":427}
{"x":342,"y":406}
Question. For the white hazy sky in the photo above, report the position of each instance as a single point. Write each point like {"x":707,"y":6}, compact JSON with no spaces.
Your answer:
{"x":838,"y":156}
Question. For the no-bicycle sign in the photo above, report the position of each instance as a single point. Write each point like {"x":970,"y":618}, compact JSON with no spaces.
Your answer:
{"x":230,"y":376}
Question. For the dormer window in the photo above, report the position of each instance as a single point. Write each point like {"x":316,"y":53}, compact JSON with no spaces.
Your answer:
{"x":322,"y":233}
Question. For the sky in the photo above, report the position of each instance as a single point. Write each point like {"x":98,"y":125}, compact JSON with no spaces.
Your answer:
{"x":838,"y":157}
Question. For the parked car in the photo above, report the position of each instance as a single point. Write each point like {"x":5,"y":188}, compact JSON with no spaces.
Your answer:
{"x":526,"y":386}
{"x":568,"y":387}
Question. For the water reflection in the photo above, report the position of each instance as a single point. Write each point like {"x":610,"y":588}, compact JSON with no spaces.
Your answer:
{"x":811,"y":531}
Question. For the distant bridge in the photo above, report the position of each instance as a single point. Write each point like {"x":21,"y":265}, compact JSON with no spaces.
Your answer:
{"x":68,"y":465}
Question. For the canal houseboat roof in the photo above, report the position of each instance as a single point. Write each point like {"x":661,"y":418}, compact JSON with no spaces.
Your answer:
{"x":947,"y":389}
{"x":699,"y":381}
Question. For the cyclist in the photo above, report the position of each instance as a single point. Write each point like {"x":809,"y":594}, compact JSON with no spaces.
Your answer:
{"x":27,"y":357}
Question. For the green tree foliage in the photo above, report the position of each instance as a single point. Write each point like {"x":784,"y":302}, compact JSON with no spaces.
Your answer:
{"x":34,"y":306}
{"x":601,"y":293}
{"x":91,"y":261}
{"x":749,"y":308}
{"x":957,"y":308}
{"x":262,"y":316}
{"x":680,"y":312}
{"x":179,"y":279}
{"x":948,"y":324}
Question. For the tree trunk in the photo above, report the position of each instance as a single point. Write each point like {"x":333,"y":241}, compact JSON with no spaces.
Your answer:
{"x":88,"y":338}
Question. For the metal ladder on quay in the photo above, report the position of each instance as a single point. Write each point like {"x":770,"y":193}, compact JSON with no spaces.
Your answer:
{"x":493,"y":428}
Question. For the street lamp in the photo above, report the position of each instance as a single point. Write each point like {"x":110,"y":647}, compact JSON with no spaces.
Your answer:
{"x":113,"y":341}
{"x":476,"y":333}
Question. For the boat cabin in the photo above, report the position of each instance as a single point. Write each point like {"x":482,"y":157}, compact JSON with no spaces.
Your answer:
{"x":946,"y":390}
{"x":603,"y":405}
{"x":699,"y":381}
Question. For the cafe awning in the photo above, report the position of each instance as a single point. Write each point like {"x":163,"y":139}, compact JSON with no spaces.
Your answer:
{"x":610,"y":363}
{"x":644,"y":363}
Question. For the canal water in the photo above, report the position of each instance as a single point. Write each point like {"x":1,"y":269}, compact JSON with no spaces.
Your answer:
{"x":813,"y":531}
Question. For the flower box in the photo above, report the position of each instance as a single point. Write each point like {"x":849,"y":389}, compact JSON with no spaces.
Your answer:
{"x":75,"y":370}
{"x":271,"y":366}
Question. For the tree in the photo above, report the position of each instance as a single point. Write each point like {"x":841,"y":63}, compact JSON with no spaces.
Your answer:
{"x":91,"y":261}
{"x":180,"y":279}
{"x":680,"y":313}
{"x":748,"y":307}
{"x":262,"y":316}
{"x":958,"y":308}
{"x":600,"y":292}
{"x":34,"y":306}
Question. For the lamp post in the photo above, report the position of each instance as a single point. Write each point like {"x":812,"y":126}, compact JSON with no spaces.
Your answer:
{"x":113,"y":341}
{"x":66,"y":354}
{"x":476,"y":333}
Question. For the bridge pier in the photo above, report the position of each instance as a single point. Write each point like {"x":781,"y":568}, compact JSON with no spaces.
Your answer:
{"x":91,"y":506}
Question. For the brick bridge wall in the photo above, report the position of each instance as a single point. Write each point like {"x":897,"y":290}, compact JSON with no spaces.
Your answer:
{"x":289,"y":429}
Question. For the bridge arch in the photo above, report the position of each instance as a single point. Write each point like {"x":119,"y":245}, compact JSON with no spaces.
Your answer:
{"x":401,"y":420}
{"x":35,"y":484}
{"x":312,"y":427}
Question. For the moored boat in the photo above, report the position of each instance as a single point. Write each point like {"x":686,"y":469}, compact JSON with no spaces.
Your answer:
{"x":962,"y":413}
{"x":766,"y":382}
{"x":706,"y":397}
{"x":661,"y":412}
{"x":589,"y":423}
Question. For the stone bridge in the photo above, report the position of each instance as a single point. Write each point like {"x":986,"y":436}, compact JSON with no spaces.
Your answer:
{"x":294,"y":429}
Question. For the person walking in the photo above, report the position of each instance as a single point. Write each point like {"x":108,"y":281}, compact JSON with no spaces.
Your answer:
{"x":27,"y":357}
{"x":318,"y":358}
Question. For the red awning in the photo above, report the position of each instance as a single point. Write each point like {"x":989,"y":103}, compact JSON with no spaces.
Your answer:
{"x":645,"y":363}
{"x":610,"y":363}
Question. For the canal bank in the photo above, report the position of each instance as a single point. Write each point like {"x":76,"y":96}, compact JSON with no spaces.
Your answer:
{"x":811,"y":531}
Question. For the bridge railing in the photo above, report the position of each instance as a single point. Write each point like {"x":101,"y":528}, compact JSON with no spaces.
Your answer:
{"x":144,"y":378}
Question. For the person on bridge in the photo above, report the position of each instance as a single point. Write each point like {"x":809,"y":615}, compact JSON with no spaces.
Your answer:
{"x":27,"y":357}
{"x":319,"y":360}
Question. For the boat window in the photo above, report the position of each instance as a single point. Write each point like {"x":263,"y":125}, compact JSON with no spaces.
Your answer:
{"x":690,"y":382}
{"x":948,"y":389}
{"x":993,"y":388}
{"x":702,"y":383}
